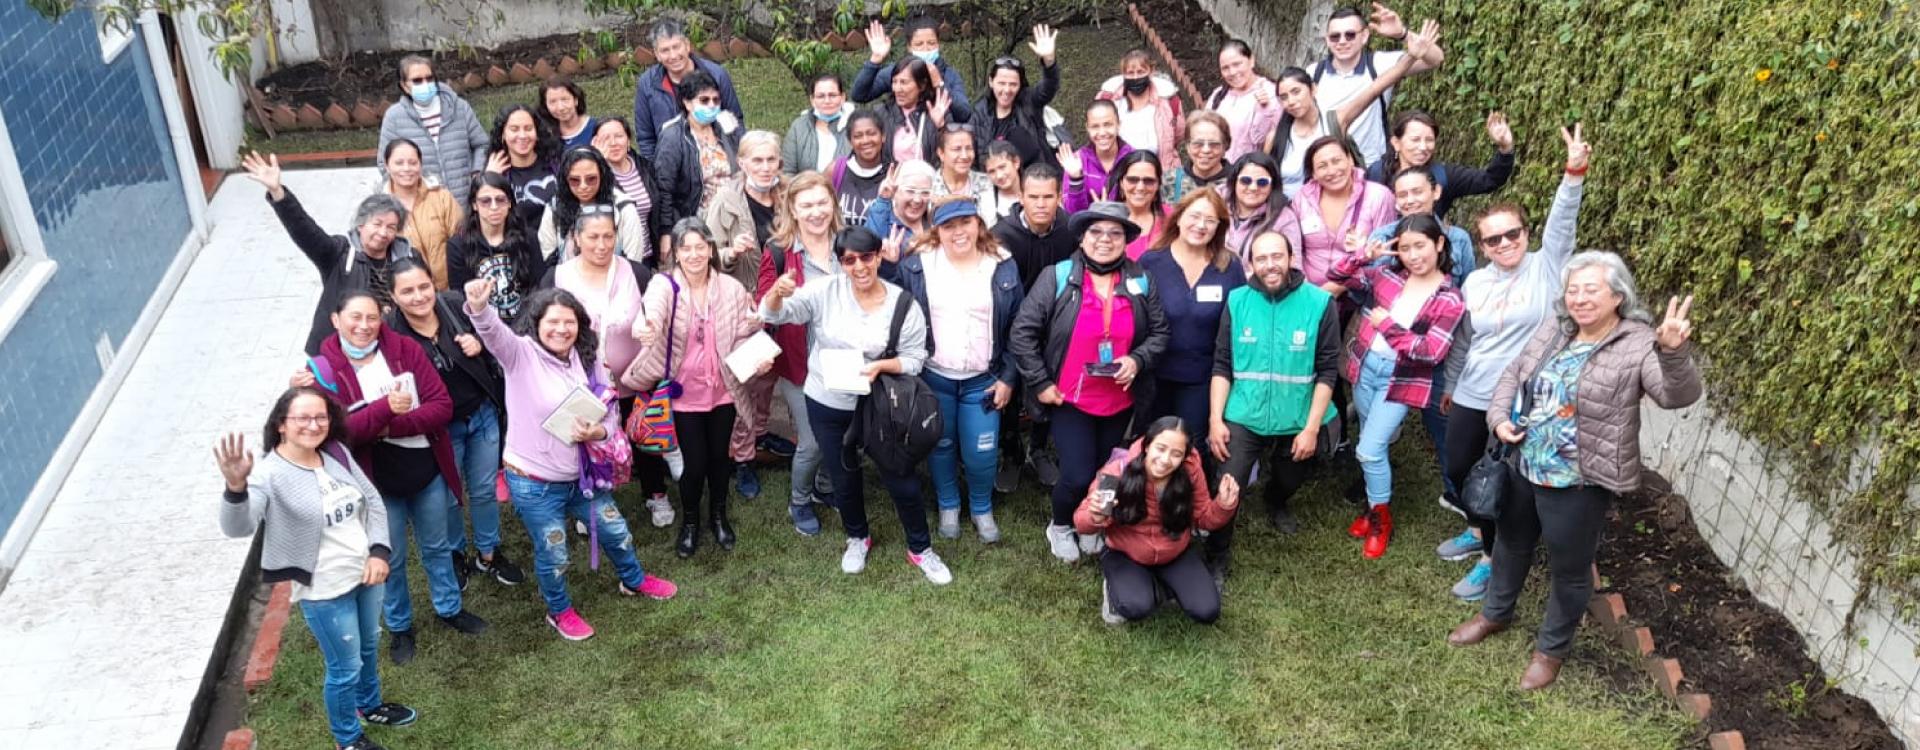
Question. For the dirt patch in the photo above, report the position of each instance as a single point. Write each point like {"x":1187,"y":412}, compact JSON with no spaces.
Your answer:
{"x":1191,"y":35}
{"x":375,"y":76}
{"x":1743,"y":653}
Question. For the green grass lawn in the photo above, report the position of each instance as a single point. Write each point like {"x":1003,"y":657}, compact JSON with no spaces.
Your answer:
{"x":770,"y":94}
{"x":771,"y":646}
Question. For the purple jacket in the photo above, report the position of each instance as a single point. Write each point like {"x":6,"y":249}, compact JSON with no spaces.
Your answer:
{"x":1092,"y":185}
{"x":376,"y":420}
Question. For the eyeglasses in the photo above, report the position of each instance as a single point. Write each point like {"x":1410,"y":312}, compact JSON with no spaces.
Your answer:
{"x":1342,"y":36}
{"x":711,"y":101}
{"x":1496,"y":240}
{"x":1206,"y":145}
{"x":1138,"y":180}
{"x":853,"y":258}
{"x":1256,"y":182}
{"x":907,"y":192}
{"x":1106,"y":234}
{"x":310,"y":420}
{"x":583,"y":180}
{"x":492,"y":201}
{"x":1206,"y":222}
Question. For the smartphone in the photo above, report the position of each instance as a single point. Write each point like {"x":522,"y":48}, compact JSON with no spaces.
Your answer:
{"x":1104,"y":369}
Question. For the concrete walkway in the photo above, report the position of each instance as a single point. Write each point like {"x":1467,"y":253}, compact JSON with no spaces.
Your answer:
{"x":108,"y":625}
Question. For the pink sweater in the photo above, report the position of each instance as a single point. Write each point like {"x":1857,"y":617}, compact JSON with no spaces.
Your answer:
{"x":1321,"y":245}
{"x":537,"y":382}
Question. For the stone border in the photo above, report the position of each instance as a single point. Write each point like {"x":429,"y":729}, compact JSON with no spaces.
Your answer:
{"x":1610,"y":611}
{"x":1176,"y":71}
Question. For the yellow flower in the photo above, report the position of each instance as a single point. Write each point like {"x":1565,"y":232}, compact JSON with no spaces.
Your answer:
{"x":1820,"y":137}
{"x":1762,"y":74}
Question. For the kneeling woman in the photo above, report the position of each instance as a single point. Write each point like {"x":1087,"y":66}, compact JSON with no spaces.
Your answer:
{"x":325,"y":529}
{"x":1148,"y":503}
{"x":854,"y":312}
{"x":694,"y":318}
{"x":548,"y":355}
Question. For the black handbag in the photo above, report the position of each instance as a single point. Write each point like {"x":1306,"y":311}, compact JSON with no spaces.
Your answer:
{"x":1489,"y":483}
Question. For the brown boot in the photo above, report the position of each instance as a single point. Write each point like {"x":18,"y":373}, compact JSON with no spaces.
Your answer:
{"x":1541,"y":672}
{"x":1474,"y":631}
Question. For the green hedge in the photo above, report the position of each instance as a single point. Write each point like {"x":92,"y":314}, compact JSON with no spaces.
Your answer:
{"x":1763,"y":156}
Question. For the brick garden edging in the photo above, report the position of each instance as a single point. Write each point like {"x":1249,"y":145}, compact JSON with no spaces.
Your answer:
{"x":1175,"y":71}
{"x":266,"y":643}
{"x":1610,"y":611}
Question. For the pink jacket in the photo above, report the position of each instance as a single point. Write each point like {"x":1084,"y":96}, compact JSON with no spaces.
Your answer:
{"x":1249,"y":133}
{"x":1321,"y":246}
{"x":733,"y":321}
{"x":1169,"y":117}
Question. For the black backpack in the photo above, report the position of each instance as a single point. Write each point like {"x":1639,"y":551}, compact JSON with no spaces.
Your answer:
{"x":899,"y":419}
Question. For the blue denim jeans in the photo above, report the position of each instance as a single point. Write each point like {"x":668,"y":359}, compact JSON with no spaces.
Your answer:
{"x":476,"y":451}
{"x":971,"y":442}
{"x":427,"y":509}
{"x":1379,"y":418}
{"x":543,"y":508}
{"x":347,"y":628}
{"x":806,"y":477}
{"x":1436,"y":424}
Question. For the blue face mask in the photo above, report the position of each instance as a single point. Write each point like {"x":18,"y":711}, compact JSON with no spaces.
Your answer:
{"x":829,"y":118}
{"x":354,"y":352}
{"x":929,"y":57}
{"x":423,"y":93}
{"x":706,"y":115}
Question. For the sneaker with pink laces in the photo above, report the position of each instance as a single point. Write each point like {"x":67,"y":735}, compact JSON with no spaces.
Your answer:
{"x":652,"y":587}
{"x":570,"y":625}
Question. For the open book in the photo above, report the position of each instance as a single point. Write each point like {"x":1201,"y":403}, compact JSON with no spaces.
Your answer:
{"x":579,"y":404}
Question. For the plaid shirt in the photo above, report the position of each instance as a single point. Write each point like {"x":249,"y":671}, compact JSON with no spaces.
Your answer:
{"x":1422,"y":347}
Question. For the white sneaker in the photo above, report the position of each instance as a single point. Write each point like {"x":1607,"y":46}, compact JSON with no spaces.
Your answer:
{"x":1060,"y":538}
{"x":1107,"y":615}
{"x":676,"y":463}
{"x":855,"y":559}
{"x":662,"y":510}
{"x":1092,"y":544}
{"x":950,"y":523}
{"x":929,"y":563}
{"x":989,"y":531}
{"x":1442,"y":500}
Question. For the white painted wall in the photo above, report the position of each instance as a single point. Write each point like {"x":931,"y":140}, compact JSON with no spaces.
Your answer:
{"x":218,"y":102}
{"x":1786,"y":554}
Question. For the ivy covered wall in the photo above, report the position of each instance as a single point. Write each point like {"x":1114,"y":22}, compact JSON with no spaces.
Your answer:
{"x":1759,"y":154}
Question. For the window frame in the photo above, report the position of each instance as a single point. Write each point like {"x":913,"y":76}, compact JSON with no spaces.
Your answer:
{"x":21,"y":281}
{"x":112,"y":41}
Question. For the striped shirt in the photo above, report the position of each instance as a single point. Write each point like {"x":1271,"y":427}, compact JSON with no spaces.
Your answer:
{"x":430,"y":117}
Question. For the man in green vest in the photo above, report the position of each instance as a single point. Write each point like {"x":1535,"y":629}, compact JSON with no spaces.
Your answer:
{"x":1275,"y":361}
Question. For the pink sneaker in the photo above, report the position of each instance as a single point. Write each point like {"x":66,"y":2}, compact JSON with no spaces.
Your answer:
{"x":654,"y":587}
{"x":570,"y":625}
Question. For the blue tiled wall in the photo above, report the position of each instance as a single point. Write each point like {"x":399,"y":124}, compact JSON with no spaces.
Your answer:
{"x":93,"y":150}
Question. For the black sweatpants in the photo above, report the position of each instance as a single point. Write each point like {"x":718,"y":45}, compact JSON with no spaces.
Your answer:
{"x":1130,"y":585}
{"x":1082,"y":441}
{"x":709,"y":462}
{"x":830,"y":428}
{"x":1570,"y":520}
{"x":1244,"y":450}
{"x":1467,"y":440}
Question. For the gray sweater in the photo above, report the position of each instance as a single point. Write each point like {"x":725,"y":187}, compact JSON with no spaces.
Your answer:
{"x":460,"y":152}
{"x":835,"y":320}
{"x":286,"y":498}
{"x":1504,"y":307}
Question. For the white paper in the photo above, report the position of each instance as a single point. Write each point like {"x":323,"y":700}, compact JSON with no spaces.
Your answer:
{"x":404,"y":384}
{"x":579,"y":404}
{"x":840,"y":369}
{"x":746,"y":359}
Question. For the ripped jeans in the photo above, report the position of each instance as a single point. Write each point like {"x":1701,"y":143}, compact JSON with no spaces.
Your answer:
{"x":543,"y":508}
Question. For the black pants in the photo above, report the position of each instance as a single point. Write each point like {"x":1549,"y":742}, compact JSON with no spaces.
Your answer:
{"x":1570,"y":519}
{"x":650,"y":470}
{"x":1130,"y":585}
{"x":709,"y":463}
{"x":830,"y":427}
{"x":1284,"y":476}
{"x":1082,"y":442}
{"x":1466,"y":441}
{"x":1189,"y":402}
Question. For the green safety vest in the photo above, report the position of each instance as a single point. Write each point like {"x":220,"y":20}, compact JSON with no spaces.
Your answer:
{"x":1273,"y":348}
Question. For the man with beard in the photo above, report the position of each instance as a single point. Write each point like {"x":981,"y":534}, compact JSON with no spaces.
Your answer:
{"x":1275,"y":360}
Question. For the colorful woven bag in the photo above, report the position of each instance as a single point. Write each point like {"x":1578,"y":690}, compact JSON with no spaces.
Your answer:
{"x":651,"y":423}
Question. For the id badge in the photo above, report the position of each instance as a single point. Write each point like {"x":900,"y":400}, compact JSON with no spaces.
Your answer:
{"x":1208,"y":293}
{"x":340,"y":501}
{"x":1106,"y":351}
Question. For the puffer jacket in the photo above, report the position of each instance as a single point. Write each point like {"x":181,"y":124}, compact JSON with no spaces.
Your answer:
{"x":732,"y":312}
{"x":1628,"y":364}
{"x":454,"y":158}
{"x":800,"y":150}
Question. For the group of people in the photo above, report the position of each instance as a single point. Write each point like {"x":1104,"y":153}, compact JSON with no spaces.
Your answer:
{"x":1198,"y":300}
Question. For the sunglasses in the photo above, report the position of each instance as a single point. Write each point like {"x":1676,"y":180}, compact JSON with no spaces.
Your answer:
{"x":1139,"y":180}
{"x":423,"y":79}
{"x":1256,"y":182}
{"x":583,"y":180}
{"x":492,"y":201}
{"x":850,"y":259}
{"x":595,"y":208}
{"x":1496,"y":240}
{"x":1008,"y":62}
{"x":1342,"y":36}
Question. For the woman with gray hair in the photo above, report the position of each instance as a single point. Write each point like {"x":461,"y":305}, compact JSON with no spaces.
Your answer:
{"x":1576,"y":429}
{"x":357,"y":260}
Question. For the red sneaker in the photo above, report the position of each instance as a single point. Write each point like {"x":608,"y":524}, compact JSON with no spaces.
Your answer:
{"x":1362,"y":525}
{"x":1380,"y":533}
